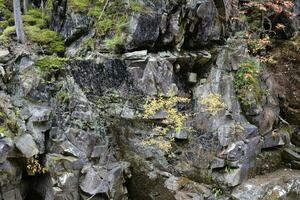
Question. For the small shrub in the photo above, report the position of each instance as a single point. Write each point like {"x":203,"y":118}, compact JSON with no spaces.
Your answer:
{"x":246,"y":82}
{"x":113,"y":42}
{"x":174,"y":119}
{"x":160,"y":142}
{"x":213,"y":103}
{"x":34,"y":167}
{"x":135,"y":6}
{"x":217,"y":192}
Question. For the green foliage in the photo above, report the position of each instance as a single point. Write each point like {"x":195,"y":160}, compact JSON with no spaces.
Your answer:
{"x":78,"y":5}
{"x":113,"y":42}
{"x":4,"y":38}
{"x":35,"y":17}
{"x":135,"y":6}
{"x":246,"y":82}
{"x":49,"y":40}
{"x":63,"y":96}
{"x":7,"y":20}
{"x":217,"y":192}
{"x":50,"y":64}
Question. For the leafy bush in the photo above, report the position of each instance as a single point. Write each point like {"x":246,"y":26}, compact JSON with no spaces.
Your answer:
{"x":174,"y":119}
{"x":34,"y":167}
{"x":246,"y":82}
{"x":213,"y":103}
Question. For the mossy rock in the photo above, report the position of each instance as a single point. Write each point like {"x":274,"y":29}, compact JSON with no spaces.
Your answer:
{"x":51,"y":41}
{"x":246,"y":82}
{"x":50,"y":64}
{"x":8,"y":31}
{"x":35,"y":17}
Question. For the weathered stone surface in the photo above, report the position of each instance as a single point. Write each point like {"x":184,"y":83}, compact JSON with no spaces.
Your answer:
{"x":280,"y":184}
{"x":4,"y":55}
{"x":158,"y":77}
{"x":107,"y":180}
{"x":289,"y":155}
{"x":27,"y":146}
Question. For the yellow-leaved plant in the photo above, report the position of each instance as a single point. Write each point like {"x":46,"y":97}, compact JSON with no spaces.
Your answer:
{"x":173,"y":120}
{"x":212,"y":103}
{"x":34,"y":167}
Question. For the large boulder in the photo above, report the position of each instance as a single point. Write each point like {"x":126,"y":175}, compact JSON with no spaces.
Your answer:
{"x":282,"y":184}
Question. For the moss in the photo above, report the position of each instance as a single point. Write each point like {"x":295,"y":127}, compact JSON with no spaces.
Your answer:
{"x":50,"y":39}
{"x":113,"y":42}
{"x":135,"y":6}
{"x":111,"y":21}
{"x":4,"y":38}
{"x":35,"y":17}
{"x":50,"y":64}
{"x":78,"y":5}
{"x":63,"y":96}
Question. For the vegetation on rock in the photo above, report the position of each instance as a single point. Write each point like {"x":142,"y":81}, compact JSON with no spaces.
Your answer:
{"x":246,"y":82}
{"x":51,"y":64}
{"x":213,"y":103}
{"x":173,"y":120}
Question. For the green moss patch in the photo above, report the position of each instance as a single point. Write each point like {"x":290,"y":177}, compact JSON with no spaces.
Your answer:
{"x":78,"y":5}
{"x":7,"y":16}
{"x":49,"y":40}
{"x":247,"y":83}
{"x":35,"y":17}
{"x":50,"y":64}
{"x":4,"y":38}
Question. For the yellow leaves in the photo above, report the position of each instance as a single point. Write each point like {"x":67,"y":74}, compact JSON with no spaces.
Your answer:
{"x":164,"y":145}
{"x":173,"y":120}
{"x":168,"y":104}
{"x":33,"y":166}
{"x":212,"y":103}
{"x":280,"y":26}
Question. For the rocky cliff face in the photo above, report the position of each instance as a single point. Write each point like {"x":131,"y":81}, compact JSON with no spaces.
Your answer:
{"x":157,"y":109}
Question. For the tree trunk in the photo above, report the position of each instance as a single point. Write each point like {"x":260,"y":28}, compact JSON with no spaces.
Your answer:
{"x":25,"y":5}
{"x":18,"y":21}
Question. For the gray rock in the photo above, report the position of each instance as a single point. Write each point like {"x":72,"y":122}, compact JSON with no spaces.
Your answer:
{"x":276,"y":185}
{"x":105,"y":180}
{"x":234,"y":177}
{"x":26,"y":145}
{"x":296,"y":138}
{"x":143,"y":30}
{"x":290,"y":155}
{"x":217,"y":163}
{"x":4,"y":55}
{"x":192,"y":78}
{"x":272,"y":140}
{"x":4,"y":148}
{"x":250,"y":131}
{"x":136,"y":55}
{"x":14,"y":194}
{"x":181,"y":135}
{"x":158,"y":77}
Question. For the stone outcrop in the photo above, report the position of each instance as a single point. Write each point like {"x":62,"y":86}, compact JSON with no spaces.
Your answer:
{"x":77,"y":127}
